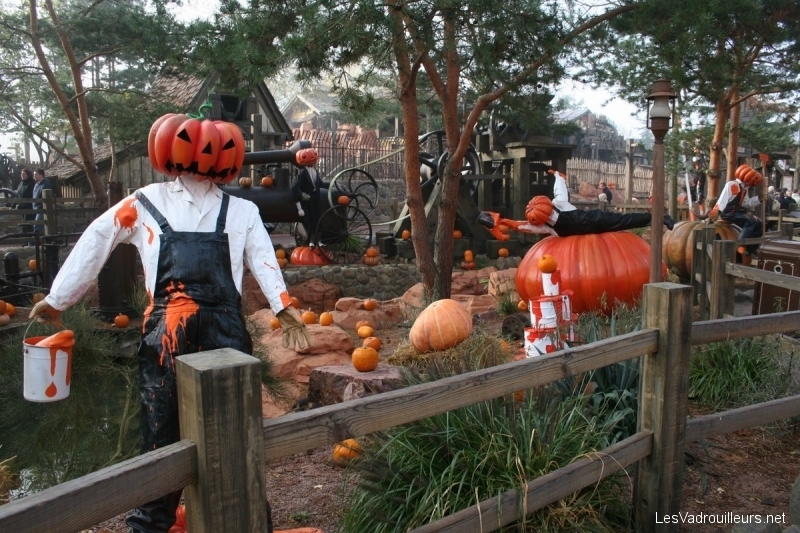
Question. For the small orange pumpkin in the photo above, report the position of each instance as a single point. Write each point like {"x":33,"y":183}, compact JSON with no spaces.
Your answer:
{"x":547,"y":264}
{"x":502,"y":252}
{"x":365,"y":331}
{"x":282,"y":262}
{"x":32,"y":264}
{"x":121,"y":320}
{"x":309,"y":317}
{"x":280,"y":253}
{"x":4,"y":308}
{"x":10,"y":309}
{"x":372,"y":252}
{"x":274,"y":323}
{"x":504,"y":229}
{"x":245,"y":181}
{"x":370,"y":304}
{"x":267,"y":181}
{"x":522,"y":305}
{"x":372,"y":342}
{"x":365,"y":359}
{"x":295,"y":302}
{"x":371,"y":261}
{"x":346,"y":450}
{"x":440,"y":326}
{"x":325,"y":319}
{"x":343,"y":200}
{"x":469,"y":256}
{"x":361,"y":323}
{"x":457,"y":234}
{"x":406,"y":235}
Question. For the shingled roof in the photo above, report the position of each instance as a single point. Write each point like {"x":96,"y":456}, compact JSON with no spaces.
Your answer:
{"x":183,"y":93}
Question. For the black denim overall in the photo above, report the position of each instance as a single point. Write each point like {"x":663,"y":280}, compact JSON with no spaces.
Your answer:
{"x":196,"y":307}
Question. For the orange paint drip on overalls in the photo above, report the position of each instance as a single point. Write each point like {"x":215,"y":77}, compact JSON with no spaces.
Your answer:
{"x":180,"y":307}
{"x":126,"y":215}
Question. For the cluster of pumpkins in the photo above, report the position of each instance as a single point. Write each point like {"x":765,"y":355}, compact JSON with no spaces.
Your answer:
{"x":7,"y":310}
{"x":266,"y":181}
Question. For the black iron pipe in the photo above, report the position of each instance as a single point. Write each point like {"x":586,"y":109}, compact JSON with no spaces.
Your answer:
{"x":276,"y":156}
{"x":274,"y":204}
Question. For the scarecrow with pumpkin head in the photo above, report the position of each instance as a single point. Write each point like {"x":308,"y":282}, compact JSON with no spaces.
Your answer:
{"x":561,"y":218}
{"x":193,"y":240}
{"x":734,"y":205}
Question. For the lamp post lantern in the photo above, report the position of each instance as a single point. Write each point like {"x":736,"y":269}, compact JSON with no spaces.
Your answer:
{"x":660,"y":111}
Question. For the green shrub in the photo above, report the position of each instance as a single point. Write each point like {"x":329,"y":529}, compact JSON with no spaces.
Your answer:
{"x":738,"y":372}
{"x":428,"y":469}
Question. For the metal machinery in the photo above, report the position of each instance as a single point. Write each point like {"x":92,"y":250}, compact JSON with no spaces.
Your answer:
{"x":343,"y":229}
{"x":501,"y":171}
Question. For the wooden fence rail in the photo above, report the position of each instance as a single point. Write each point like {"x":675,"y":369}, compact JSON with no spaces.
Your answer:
{"x":221,"y":462}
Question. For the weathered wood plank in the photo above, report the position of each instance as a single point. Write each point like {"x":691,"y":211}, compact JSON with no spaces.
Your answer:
{"x":663,"y":405}
{"x":723,"y":287}
{"x":492,"y":514}
{"x":89,"y":500}
{"x":747,"y":326}
{"x":219,"y":398}
{"x":297,"y":432}
{"x":763,"y":276}
{"x":760,"y":414}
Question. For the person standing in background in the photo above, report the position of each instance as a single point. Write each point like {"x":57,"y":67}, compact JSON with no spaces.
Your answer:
{"x":40,"y":184}
{"x":25,"y":190}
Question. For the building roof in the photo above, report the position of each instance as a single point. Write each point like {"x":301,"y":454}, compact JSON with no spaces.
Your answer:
{"x":569,"y":115}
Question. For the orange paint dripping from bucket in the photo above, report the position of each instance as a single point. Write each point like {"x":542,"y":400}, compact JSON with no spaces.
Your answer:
{"x":51,"y":391}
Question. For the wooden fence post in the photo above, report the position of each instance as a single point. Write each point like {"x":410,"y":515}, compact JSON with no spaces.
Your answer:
{"x":703,"y":237}
{"x":219,"y":393}
{"x":786,"y":229}
{"x":49,"y":208}
{"x":723,"y":286}
{"x":663,"y":406}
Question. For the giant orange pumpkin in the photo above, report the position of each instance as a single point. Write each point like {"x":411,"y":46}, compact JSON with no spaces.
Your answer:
{"x":303,"y":255}
{"x":605,"y":267}
{"x":440,"y":326}
{"x":677,"y":248}
{"x":209,"y":149}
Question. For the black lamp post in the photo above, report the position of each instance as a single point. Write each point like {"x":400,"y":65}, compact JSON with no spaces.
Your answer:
{"x":660,"y":111}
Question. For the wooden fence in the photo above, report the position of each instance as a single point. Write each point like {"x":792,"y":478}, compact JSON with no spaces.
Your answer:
{"x":221,"y":459}
{"x":594,"y":171}
{"x":714,"y":270}
{"x":59,"y":215}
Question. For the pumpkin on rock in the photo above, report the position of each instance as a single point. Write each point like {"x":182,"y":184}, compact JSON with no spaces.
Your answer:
{"x":304,"y":255}
{"x":599,"y":269}
{"x":440,"y":326}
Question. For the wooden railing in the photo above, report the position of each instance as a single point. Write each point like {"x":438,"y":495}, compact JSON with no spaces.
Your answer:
{"x":56,"y":213}
{"x":221,"y":459}
{"x":714,"y":270}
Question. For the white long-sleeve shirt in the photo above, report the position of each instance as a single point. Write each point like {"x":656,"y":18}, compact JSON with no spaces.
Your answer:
{"x":188,"y":205}
{"x":730,"y":191}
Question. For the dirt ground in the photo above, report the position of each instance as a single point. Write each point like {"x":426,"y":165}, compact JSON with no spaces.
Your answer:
{"x":747,"y":472}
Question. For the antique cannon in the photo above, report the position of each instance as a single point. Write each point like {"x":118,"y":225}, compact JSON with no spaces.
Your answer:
{"x":344,"y":230}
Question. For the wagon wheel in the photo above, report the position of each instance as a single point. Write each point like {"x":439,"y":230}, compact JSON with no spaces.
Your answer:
{"x":358,"y":185}
{"x":470,"y":166}
{"x":345,"y":233}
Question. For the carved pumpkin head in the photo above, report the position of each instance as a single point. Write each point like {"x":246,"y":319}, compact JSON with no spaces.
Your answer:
{"x":212,"y":150}
{"x":539,"y":210}
{"x":307,"y":157}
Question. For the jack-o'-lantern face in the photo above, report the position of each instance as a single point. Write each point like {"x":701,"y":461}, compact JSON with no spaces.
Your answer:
{"x":307,"y":157}
{"x":207,"y":149}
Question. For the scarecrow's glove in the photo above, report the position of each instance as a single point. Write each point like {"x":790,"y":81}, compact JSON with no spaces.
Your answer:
{"x":45,"y":313}
{"x":295,"y":333}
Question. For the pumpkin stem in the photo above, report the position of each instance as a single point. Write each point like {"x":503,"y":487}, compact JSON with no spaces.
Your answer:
{"x":201,"y":112}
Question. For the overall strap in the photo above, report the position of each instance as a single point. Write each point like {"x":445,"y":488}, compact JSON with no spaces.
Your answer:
{"x":223,"y":213}
{"x":155,"y":213}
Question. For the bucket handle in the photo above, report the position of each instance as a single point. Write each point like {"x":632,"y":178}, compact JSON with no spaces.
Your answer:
{"x":25,"y":335}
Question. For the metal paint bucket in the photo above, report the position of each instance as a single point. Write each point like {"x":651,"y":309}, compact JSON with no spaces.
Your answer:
{"x":47,"y":366}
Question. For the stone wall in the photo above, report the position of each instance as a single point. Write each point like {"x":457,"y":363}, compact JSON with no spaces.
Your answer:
{"x":382,"y":282}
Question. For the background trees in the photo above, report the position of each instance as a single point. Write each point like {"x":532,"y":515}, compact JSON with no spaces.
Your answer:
{"x":76,"y":73}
